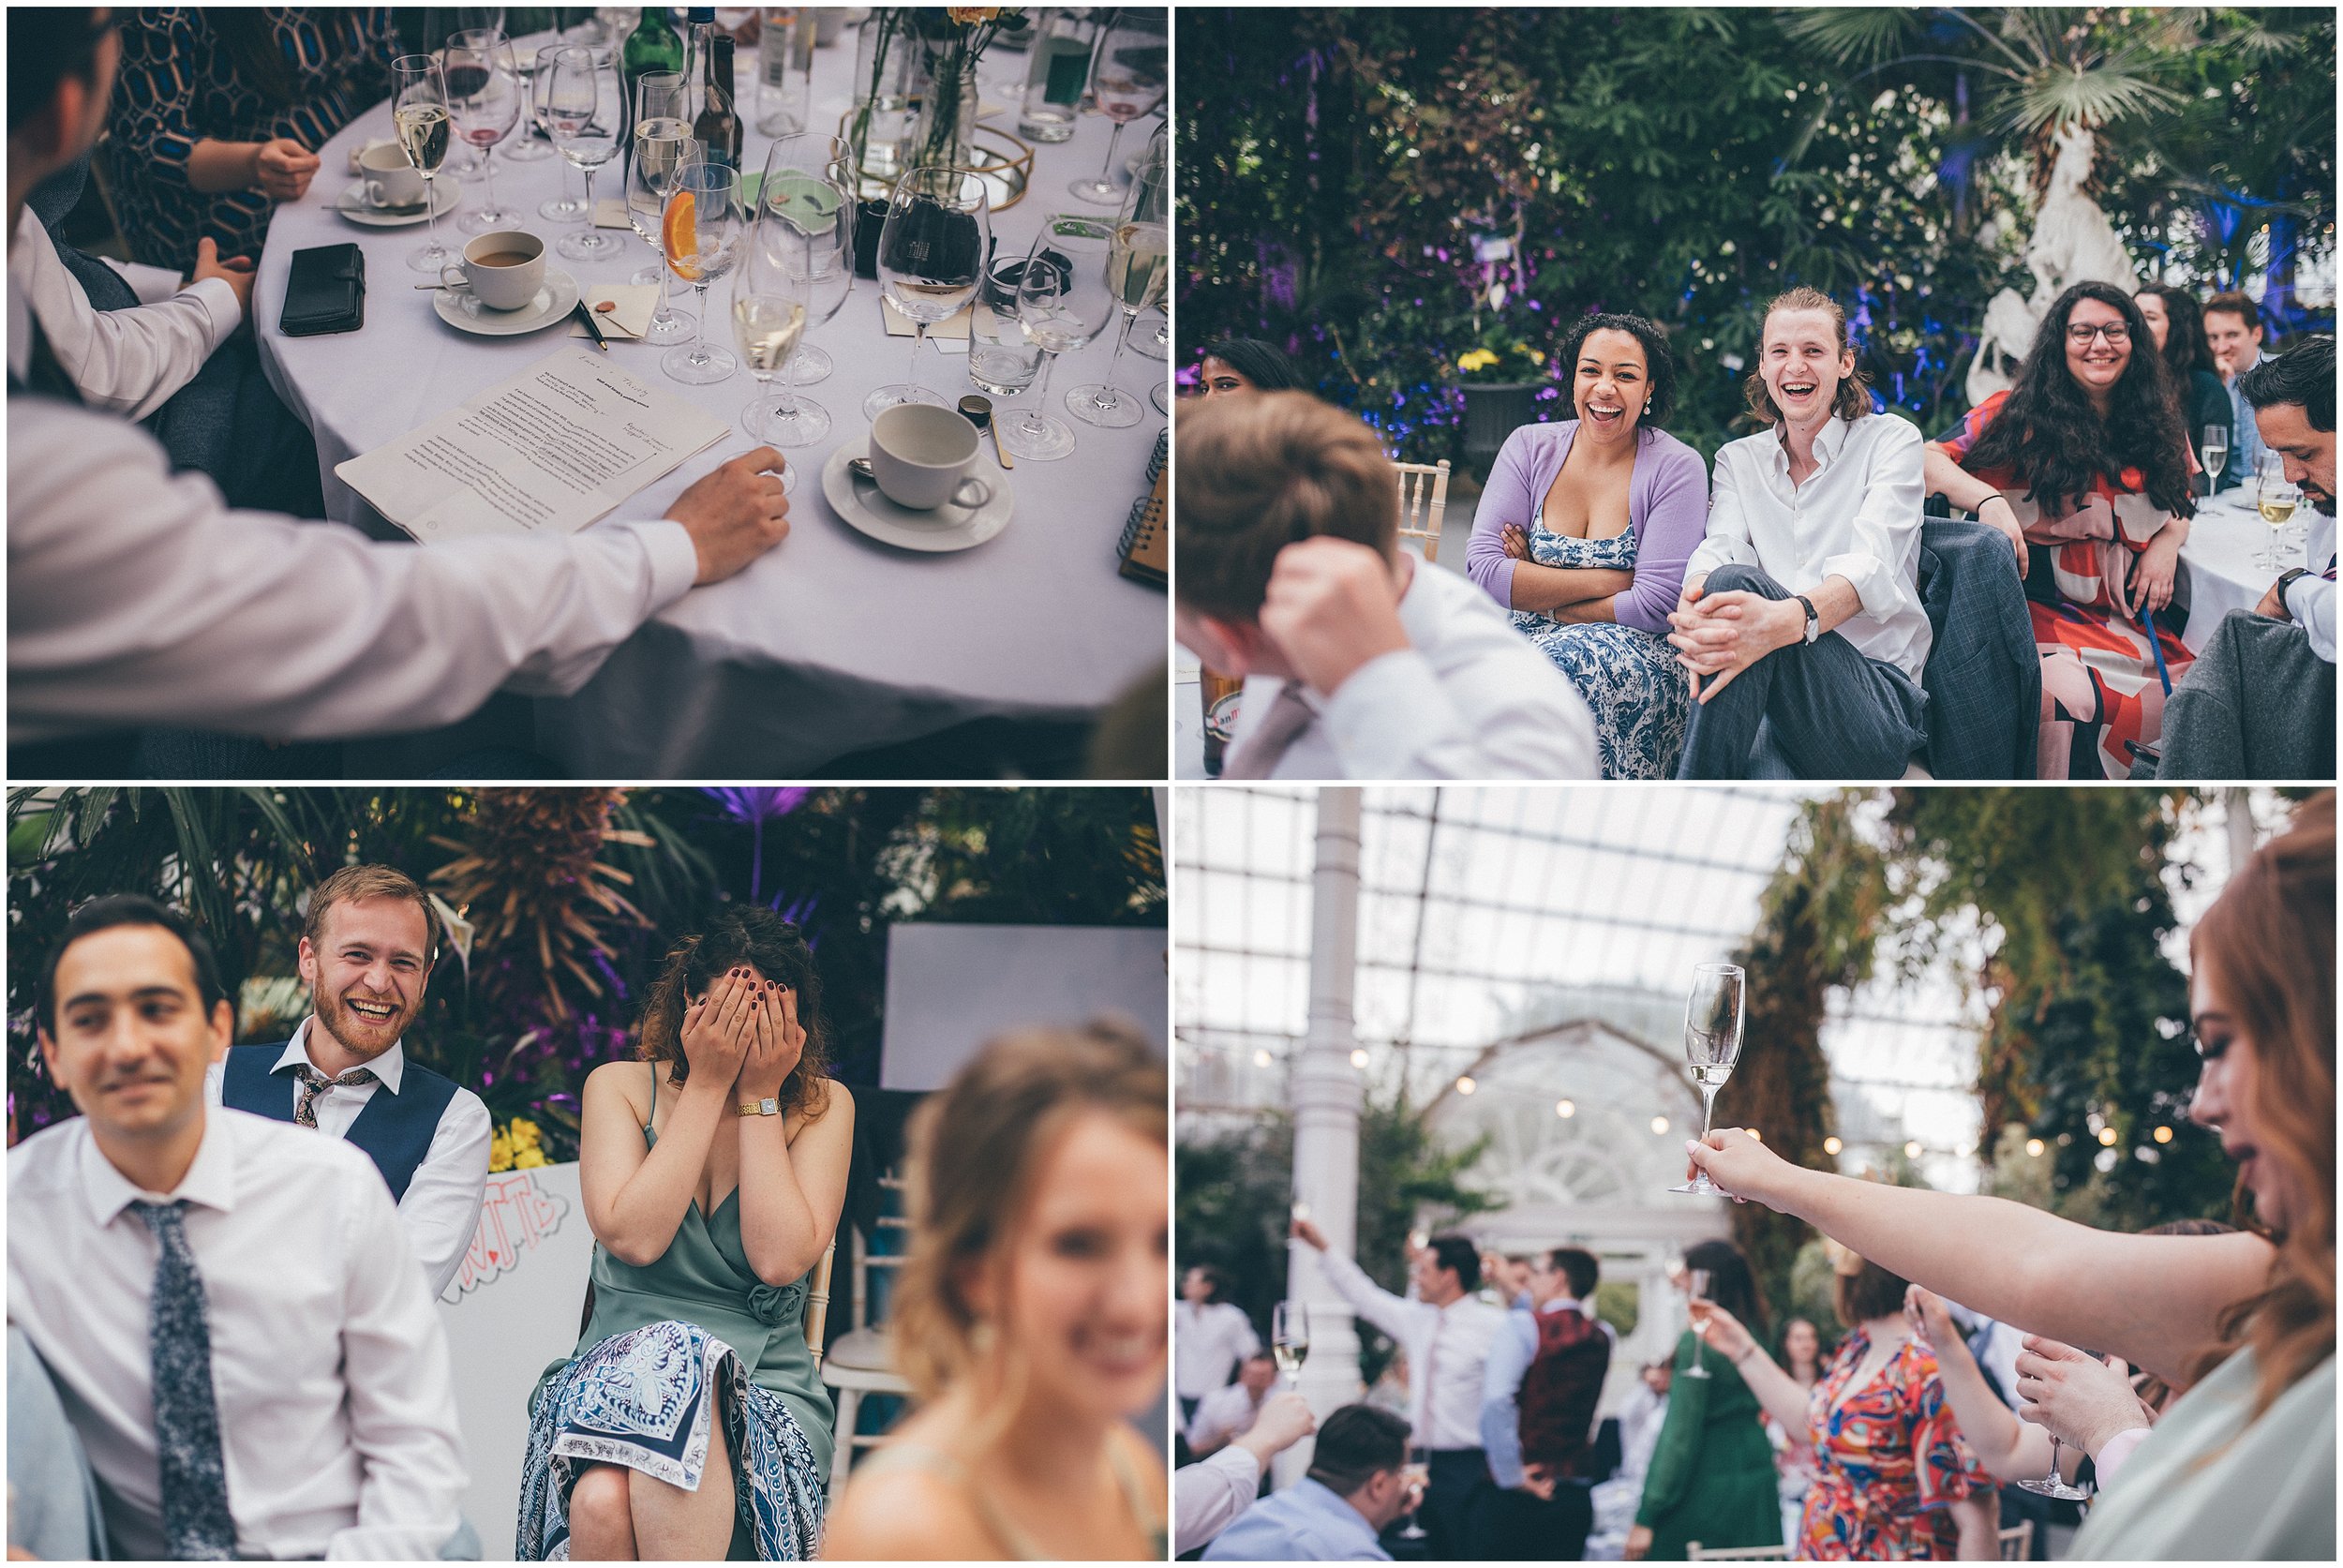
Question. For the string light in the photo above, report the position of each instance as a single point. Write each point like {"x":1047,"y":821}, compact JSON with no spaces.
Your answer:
{"x":1566,"y":1109}
{"x":1261,"y":1058}
{"x":1831,"y":1145}
{"x":1659,"y":1124}
{"x":2107,"y":1136}
{"x":1358,"y":1058}
{"x":2163,"y":1135}
{"x":1465,"y":1085}
{"x":1912,"y":1148}
{"x":2033,"y":1147}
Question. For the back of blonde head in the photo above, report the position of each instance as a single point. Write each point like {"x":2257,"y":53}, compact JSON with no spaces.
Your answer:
{"x":977,"y":1146}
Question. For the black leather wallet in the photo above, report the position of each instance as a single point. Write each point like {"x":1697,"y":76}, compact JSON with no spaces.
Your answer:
{"x":326,"y":292}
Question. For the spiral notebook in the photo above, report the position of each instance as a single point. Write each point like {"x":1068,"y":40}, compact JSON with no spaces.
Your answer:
{"x":1145,"y":547}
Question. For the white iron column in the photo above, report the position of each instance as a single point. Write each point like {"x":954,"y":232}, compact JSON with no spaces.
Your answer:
{"x":1327,"y":1098}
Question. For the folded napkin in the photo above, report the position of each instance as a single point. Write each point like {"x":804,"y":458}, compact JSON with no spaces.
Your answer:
{"x":610,"y":213}
{"x":631,"y":319}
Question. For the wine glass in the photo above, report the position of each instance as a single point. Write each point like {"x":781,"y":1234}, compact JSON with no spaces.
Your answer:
{"x":2276,"y":500}
{"x":1419,"y":1475}
{"x":931,"y":258}
{"x":797,"y":166}
{"x":1290,"y":1337}
{"x":1697,"y":1283}
{"x":485,"y":96}
{"x":1062,"y":301}
{"x":2050,"y":1485}
{"x":701,"y":231}
{"x":1137,"y":270}
{"x":796,"y":271}
{"x":1130,"y":73}
{"x":582,"y":113}
{"x":563,"y":208}
{"x":1712,"y":1044}
{"x":2216,"y":453}
{"x":658,"y":101}
{"x":664,"y":148}
{"x":419,"y":114}
{"x":531,"y":145}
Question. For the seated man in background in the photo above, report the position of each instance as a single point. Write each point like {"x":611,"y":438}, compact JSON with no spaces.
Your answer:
{"x":1227,"y":1412}
{"x":2258,"y":703}
{"x":1357,"y":1484}
{"x":1357,"y":662}
{"x":227,"y":1305}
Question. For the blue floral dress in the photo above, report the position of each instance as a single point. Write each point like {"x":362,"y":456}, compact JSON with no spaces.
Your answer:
{"x":1630,"y":678}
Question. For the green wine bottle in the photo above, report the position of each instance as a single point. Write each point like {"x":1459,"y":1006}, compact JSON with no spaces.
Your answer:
{"x":653,"y":45}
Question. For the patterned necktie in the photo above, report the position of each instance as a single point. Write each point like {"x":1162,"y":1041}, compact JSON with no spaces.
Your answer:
{"x":1257,"y":755}
{"x":314,"y":1084}
{"x":197,"y":1525}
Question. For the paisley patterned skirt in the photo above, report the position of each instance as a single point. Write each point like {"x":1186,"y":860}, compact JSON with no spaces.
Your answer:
{"x":645,"y":1400}
{"x":1641,"y":700}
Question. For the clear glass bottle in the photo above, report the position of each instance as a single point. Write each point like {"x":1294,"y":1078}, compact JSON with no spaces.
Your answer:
{"x":1057,"y":73}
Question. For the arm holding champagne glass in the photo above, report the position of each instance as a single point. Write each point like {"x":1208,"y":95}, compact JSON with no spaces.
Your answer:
{"x":2154,"y":1300}
{"x":2002,"y":1442}
{"x":1781,"y":1395}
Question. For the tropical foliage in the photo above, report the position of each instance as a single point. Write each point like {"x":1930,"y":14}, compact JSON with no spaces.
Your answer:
{"x":565,"y":902}
{"x":1379,"y":191}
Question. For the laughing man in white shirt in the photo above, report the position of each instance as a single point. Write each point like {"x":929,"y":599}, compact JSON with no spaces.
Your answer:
{"x":1802,"y":607}
{"x":1447,"y":1331}
{"x":366,"y":952}
{"x":240,"y":1285}
{"x":1358,"y":663}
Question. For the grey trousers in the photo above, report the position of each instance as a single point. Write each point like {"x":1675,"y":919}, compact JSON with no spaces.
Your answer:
{"x":2257,"y":704}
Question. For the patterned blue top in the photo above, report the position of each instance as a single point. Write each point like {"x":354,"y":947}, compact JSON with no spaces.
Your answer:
{"x":179,"y":84}
{"x":1628,"y":677}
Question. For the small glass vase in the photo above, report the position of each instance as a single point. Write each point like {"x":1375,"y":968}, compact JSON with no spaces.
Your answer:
{"x":947,"y":130}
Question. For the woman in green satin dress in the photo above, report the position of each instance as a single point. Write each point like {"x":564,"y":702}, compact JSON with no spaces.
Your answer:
{"x":1711,"y":1478}
{"x":688,"y":1422}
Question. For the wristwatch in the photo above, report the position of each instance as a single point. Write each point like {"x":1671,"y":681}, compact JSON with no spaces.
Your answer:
{"x":769,"y":1106}
{"x":1813,"y":621}
{"x":2286,"y":580}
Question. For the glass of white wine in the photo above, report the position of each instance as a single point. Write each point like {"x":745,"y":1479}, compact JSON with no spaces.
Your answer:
{"x":1696,"y":1287}
{"x":2215,"y":454}
{"x":419,"y":116}
{"x":1138,"y":267}
{"x":658,"y":119}
{"x":786,"y":273}
{"x":1062,"y":303}
{"x":2276,"y":500}
{"x":809,"y":176}
{"x":584,"y":117}
{"x":1712,"y":1044}
{"x":1290,"y":1338}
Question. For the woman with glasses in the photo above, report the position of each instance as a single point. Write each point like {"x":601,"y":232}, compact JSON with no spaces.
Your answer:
{"x":2085,"y":466}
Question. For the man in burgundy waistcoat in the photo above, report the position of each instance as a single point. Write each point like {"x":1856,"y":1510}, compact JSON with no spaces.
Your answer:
{"x":1545,"y":1378}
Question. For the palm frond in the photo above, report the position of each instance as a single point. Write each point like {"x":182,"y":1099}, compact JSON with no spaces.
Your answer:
{"x":1863,"y":35}
{"x":2091,"y":98}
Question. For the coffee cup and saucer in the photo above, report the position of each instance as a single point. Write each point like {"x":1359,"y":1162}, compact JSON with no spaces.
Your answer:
{"x":501,"y":286}
{"x":921,"y":494}
{"x":389,"y":192}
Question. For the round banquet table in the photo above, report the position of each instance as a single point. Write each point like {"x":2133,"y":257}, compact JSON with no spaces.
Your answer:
{"x":831,"y":643}
{"x":2226,"y":540}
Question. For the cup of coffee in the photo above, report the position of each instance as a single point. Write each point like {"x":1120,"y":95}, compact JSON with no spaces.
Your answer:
{"x":391,"y":180}
{"x":504,"y":268}
{"x":919,"y":455}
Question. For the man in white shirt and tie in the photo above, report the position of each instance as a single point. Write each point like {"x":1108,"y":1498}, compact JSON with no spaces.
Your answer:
{"x":366,"y":952}
{"x":1358,"y":662}
{"x":1447,"y":1331}
{"x":242,"y":1288}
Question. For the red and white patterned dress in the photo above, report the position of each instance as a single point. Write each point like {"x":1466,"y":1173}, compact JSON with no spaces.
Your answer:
{"x":2101,"y":687}
{"x":1890,"y":1460}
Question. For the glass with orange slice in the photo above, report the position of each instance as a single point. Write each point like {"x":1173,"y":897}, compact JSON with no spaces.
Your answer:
{"x":699,"y":233}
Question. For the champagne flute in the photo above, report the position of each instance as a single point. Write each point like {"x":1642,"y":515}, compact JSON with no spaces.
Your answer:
{"x":798,"y":166}
{"x":931,"y":258}
{"x":1696,"y":1288}
{"x":486,"y":98}
{"x":793,"y":273}
{"x":1290,"y":1338}
{"x":1712,"y":1044}
{"x":1129,"y":74}
{"x":701,"y":231}
{"x":419,"y":114}
{"x":1419,"y":1475}
{"x":582,"y":111}
{"x":2276,"y":500}
{"x":1138,"y":267}
{"x":1062,"y":301}
{"x":664,"y":148}
{"x":659,"y":105}
{"x":2216,"y":453}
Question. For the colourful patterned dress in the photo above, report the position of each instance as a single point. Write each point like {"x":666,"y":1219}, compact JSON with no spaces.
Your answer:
{"x":1630,"y":678}
{"x":2100,"y":685}
{"x":1891,"y":1458}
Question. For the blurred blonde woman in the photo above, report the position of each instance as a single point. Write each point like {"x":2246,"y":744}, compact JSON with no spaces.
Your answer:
{"x":1033,"y":1315}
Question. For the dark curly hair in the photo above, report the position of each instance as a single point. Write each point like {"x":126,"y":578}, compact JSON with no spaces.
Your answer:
{"x":2055,"y":442}
{"x":1658,"y":363}
{"x":2184,"y":347}
{"x":776,"y":950}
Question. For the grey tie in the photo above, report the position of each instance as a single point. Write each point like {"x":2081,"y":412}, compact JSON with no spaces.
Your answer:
{"x":197,"y":1525}
{"x":1256,"y":757}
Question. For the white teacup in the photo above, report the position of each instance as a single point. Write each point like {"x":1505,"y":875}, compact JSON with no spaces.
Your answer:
{"x":504,"y":268}
{"x":919,"y":455}
{"x":391,"y":180}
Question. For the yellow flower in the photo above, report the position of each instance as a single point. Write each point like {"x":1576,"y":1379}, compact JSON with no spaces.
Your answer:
{"x":1479,"y":359}
{"x":499,"y":1153}
{"x":968,"y":16}
{"x":530,"y":1159}
{"x":525,"y":1133}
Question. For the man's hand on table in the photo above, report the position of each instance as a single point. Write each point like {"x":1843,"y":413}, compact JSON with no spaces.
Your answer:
{"x":236,"y":272}
{"x":733,"y":514}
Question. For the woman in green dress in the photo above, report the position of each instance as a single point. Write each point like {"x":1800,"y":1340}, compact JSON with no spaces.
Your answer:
{"x":689,"y":1423}
{"x":1711,"y":1478}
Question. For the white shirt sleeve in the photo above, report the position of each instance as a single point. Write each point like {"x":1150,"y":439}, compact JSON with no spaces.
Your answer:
{"x":441,"y":1208}
{"x":1243,"y":1342}
{"x":128,"y":362}
{"x":1728,"y":541}
{"x":401,"y":1395}
{"x":1393,"y":719}
{"x":2311,"y":602}
{"x":136,"y":596}
{"x":1207,"y":1498}
{"x":1394,"y":1315}
{"x":1887,"y":524}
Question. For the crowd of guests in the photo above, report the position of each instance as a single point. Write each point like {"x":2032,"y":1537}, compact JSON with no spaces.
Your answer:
{"x":1791,"y":610}
{"x":168,"y":608}
{"x":221,"y":1274}
{"x":2188,"y":1372}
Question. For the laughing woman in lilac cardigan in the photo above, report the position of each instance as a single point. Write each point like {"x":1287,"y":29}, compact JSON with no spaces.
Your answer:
{"x":1583,"y":534}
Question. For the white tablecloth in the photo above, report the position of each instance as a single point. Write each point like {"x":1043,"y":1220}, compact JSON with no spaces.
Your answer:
{"x":2225,"y":545}
{"x":831,"y":643}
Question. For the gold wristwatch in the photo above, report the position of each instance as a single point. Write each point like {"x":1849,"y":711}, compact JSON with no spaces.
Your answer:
{"x":769,"y":1106}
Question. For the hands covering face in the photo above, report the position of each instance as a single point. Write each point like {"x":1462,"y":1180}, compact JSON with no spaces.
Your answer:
{"x":745,"y":1031}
